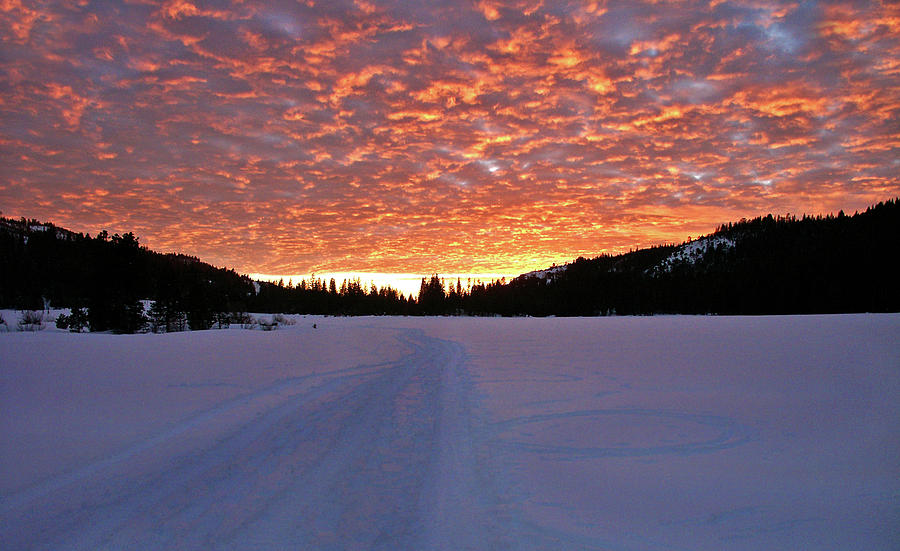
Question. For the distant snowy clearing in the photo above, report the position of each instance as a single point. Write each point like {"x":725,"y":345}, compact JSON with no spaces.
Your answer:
{"x":651,"y":433}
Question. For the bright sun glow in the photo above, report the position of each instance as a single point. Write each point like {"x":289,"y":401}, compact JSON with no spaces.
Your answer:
{"x":408,"y":284}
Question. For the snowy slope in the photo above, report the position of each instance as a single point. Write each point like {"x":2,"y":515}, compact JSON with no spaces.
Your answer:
{"x":686,"y":253}
{"x":457,"y":433}
{"x":548,"y":273}
{"x":692,"y":251}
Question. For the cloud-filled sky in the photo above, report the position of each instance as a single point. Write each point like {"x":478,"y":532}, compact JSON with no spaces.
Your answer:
{"x":298,"y":136}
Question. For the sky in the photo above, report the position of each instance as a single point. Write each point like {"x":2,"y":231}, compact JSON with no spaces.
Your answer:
{"x":460,"y":137}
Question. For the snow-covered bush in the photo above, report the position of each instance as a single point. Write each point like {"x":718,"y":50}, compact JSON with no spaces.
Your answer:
{"x":240,"y":317}
{"x":223,"y":320}
{"x":244,"y":319}
{"x":265,"y":323}
{"x":268,"y":325}
{"x":76,"y":321}
{"x":3,"y":327}
{"x":31,"y":320}
{"x":282,"y":320}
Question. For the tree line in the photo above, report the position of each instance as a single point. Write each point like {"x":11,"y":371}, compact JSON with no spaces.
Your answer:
{"x":766,"y":265}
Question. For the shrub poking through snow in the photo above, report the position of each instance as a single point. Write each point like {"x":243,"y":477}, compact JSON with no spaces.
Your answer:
{"x":31,"y":320}
{"x":3,"y":327}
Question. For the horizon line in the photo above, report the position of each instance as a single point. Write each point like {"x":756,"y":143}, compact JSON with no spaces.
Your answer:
{"x":407,"y":283}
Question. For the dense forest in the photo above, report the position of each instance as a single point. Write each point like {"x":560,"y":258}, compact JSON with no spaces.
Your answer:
{"x":109,"y":279}
{"x":767,"y":265}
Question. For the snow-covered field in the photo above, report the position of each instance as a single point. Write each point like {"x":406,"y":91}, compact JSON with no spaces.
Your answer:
{"x":655,"y":433}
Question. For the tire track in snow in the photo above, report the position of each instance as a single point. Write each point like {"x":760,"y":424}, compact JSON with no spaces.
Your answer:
{"x":375,"y":457}
{"x":452,"y":513}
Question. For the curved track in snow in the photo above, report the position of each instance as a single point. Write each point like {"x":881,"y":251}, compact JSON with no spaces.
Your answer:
{"x":374,"y":457}
{"x":584,"y":434}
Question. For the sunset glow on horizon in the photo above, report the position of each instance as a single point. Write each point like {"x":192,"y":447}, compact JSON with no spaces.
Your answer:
{"x":451,"y":137}
{"x":406,"y":284}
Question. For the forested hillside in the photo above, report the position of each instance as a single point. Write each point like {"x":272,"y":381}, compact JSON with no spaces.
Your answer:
{"x":767,"y":265}
{"x":109,"y":276}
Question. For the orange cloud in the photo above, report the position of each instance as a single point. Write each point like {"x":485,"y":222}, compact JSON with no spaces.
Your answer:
{"x":313,"y":136}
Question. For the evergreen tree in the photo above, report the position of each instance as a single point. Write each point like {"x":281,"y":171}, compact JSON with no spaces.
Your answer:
{"x":431,"y":296}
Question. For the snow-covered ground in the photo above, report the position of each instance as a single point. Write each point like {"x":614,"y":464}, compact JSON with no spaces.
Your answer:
{"x":692,"y":251}
{"x":549,"y":273}
{"x":652,"y":433}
